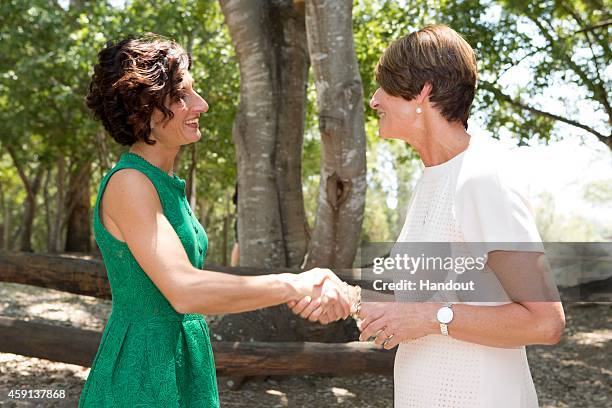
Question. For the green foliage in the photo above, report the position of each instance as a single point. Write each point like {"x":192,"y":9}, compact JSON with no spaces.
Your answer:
{"x":555,"y":227}
{"x":47,"y":52}
{"x":524,"y":49}
{"x":599,"y":192}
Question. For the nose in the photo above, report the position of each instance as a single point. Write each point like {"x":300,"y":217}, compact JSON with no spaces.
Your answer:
{"x":201,"y":105}
{"x":374,"y":100}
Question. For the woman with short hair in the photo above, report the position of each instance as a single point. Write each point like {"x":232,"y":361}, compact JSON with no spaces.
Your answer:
{"x":155,"y":349}
{"x":467,"y":354}
{"x":461,"y":355}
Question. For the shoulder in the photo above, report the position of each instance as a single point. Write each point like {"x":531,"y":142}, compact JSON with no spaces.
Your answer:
{"x":491,"y":203}
{"x":129,"y":188}
{"x":487,"y":169}
{"x":489,"y":180}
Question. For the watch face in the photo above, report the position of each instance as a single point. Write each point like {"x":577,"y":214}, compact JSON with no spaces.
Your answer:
{"x":445,"y":315}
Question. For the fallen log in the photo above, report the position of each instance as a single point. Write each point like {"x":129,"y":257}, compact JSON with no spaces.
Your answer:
{"x":258,"y":358}
{"x":87,"y":275}
{"x":82,"y":276}
{"x":78,"y":346}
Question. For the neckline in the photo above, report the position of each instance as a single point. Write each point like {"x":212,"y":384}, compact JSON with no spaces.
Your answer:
{"x":442,"y":168}
{"x":174,"y":179}
{"x":433,"y":172}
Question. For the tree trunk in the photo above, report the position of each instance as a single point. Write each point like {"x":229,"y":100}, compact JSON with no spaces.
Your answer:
{"x":4,"y":223}
{"x":226,"y":227}
{"x":270,"y":42}
{"x":32,"y":186}
{"x":48,"y":213}
{"x":78,"y":231}
{"x":29,"y":212}
{"x":60,"y":198}
{"x":203,"y":211}
{"x":103,"y":153}
{"x":271,"y":46}
{"x":192,"y":179}
{"x":341,"y":121}
{"x":291,"y":117}
{"x":8,"y":217}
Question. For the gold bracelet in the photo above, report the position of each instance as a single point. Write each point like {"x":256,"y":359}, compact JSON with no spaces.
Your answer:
{"x":356,"y":306}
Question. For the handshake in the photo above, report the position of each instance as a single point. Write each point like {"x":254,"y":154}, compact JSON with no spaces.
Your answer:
{"x":320,"y":296}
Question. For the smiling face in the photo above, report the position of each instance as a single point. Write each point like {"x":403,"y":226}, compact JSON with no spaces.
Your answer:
{"x":183,"y":128}
{"x":397,"y":116}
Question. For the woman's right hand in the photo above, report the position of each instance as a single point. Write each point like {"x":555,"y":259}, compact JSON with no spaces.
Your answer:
{"x":323,"y":296}
{"x":308,"y":283}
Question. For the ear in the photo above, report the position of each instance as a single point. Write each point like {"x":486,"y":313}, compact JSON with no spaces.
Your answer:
{"x":424,"y":94}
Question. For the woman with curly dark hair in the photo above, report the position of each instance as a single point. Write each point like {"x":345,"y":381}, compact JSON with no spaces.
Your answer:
{"x":155,"y":349}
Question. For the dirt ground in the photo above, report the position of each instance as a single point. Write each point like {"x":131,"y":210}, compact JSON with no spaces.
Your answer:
{"x":575,"y":373}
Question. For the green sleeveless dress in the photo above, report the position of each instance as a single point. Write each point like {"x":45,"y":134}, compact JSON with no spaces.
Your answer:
{"x":150,"y":355}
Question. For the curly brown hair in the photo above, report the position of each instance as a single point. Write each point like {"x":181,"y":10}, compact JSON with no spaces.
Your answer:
{"x":438,"y":55}
{"x":132,"y":78}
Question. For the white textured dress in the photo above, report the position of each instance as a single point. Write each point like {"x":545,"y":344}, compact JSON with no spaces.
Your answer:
{"x":467,"y":199}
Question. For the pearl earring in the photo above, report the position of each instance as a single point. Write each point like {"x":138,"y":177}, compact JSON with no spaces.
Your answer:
{"x":419,"y":110}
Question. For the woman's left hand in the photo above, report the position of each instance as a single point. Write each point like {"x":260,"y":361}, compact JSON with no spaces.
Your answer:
{"x":392,"y":322}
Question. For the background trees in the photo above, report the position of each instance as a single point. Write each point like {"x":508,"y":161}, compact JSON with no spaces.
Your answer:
{"x":50,"y":143}
{"x":545,"y":74}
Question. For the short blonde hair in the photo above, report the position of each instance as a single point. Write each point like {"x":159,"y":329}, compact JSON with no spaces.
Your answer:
{"x":438,"y":55}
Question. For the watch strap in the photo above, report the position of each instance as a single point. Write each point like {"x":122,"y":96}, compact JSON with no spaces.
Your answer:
{"x":444,"y":326}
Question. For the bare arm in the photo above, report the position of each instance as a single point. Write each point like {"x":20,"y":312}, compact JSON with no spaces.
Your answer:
{"x":534,"y":318}
{"x":132,"y":203}
{"x":520,"y":323}
{"x":511,"y":325}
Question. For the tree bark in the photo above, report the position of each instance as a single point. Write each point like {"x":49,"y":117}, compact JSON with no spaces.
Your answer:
{"x":78,"y":231}
{"x":191,"y":178}
{"x":54,"y":224}
{"x":48,"y":213}
{"x":32,"y":187}
{"x":103,"y":152}
{"x":29,"y":212}
{"x":271,"y":46}
{"x":79,"y":275}
{"x":270,"y":43}
{"x":342,"y":190}
{"x":294,"y":66}
{"x":4,"y":221}
{"x":8,"y":217}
